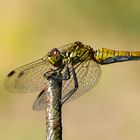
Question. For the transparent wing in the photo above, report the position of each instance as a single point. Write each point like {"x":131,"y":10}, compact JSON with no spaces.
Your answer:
{"x":88,"y":73}
{"x":41,"y":101}
{"x":28,"y":78}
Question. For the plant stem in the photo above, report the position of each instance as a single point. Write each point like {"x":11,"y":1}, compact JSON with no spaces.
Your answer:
{"x":53,"y":110}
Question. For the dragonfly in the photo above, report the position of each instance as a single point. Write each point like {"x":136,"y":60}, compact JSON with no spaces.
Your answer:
{"x":80,"y":67}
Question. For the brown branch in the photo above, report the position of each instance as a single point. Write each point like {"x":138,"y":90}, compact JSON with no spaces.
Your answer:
{"x":53,"y":110}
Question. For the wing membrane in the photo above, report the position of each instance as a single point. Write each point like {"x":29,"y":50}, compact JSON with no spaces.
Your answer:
{"x":88,"y":73}
{"x":28,"y":78}
{"x":41,"y":101}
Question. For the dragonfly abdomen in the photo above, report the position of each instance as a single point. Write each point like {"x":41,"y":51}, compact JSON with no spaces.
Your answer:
{"x":107,"y":56}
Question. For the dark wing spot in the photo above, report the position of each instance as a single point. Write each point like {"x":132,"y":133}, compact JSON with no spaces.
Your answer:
{"x":40,"y":93}
{"x":11,"y":73}
{"x":20,"y":74}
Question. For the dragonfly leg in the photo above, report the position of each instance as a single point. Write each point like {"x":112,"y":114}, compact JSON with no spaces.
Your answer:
{"x":66,"y":75}
{"x":67,"y":96}
{"x":51,"y":74}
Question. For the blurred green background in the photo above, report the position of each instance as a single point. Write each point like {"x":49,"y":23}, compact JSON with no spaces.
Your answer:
{"x":30,"y":28}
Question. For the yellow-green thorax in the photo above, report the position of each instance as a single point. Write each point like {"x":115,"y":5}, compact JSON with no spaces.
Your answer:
{"x":78,"y":52}
{"x":74,"y":53}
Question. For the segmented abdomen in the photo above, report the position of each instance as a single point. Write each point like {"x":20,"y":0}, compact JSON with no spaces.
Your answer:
{"x":107,"y":56}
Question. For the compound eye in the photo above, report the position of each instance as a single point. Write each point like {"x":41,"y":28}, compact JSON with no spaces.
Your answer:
{"x":54,"y":52}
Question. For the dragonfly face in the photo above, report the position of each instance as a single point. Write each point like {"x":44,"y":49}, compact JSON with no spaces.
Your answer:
{"x":55,"y":57}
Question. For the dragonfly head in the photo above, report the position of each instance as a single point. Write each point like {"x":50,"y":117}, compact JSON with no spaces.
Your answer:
{"x":55,"y":57}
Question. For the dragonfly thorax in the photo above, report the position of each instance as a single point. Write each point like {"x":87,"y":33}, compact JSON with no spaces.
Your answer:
{"x":78,"y":52}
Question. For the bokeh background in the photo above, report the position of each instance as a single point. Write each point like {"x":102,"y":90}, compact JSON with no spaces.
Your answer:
{"x":30,"y":28}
